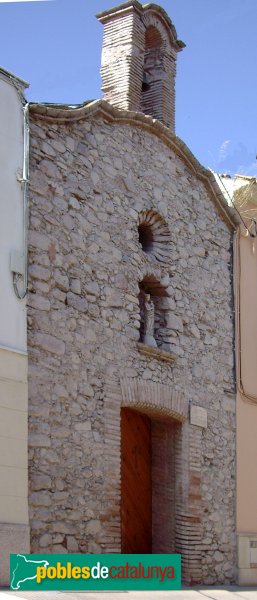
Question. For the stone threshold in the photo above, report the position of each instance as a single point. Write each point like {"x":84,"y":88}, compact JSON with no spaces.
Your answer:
{"x":157,"y":353}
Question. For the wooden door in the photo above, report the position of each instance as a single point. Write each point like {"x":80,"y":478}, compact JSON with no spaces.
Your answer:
{"x":136,"y":484}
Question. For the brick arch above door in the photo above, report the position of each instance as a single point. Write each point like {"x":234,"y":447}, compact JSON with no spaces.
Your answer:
{"x":154,"y":399}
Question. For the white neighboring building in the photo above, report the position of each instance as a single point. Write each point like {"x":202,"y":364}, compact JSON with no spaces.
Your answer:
{"x":14,"y":528}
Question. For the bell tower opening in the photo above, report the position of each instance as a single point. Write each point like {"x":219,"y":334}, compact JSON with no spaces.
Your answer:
{"x":153,"y":73}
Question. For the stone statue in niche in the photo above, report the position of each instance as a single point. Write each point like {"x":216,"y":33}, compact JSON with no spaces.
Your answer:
{"x":149,"y":322}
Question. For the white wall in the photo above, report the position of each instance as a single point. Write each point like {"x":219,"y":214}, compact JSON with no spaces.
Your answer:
{"x":12,"y":311}
{"x":14,"y":528}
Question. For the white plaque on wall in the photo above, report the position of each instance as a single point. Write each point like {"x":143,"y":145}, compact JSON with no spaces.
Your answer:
{"x":198,"y":416}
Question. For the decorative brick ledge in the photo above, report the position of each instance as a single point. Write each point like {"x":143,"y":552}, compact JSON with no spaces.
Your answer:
{"x":152,"y":352}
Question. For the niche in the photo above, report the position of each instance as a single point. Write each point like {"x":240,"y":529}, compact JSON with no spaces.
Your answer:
{"x":154,"y":306}
{"x":154,"y":235}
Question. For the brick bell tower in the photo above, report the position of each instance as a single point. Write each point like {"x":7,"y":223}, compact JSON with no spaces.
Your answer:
{"x":139,"y":54}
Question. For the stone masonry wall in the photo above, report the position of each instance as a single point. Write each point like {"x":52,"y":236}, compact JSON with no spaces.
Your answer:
{"x":90,"y":180}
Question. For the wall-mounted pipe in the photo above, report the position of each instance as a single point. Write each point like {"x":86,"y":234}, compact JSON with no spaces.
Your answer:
{"x":24,"y":180}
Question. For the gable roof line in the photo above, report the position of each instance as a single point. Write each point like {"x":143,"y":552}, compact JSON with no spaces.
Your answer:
{"x":111,"y":114}
{"x":13,"y":78}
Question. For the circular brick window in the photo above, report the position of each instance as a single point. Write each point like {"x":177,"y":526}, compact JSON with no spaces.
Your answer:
{"x":154,"y":235}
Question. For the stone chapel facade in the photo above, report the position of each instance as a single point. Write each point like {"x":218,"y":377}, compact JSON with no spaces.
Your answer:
{"x":132,"y":426}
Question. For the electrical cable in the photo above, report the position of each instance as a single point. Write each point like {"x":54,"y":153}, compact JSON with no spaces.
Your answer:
{"x":237,"y":289}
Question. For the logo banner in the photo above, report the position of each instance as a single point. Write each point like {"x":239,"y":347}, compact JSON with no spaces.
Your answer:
{"x":93,"y":572}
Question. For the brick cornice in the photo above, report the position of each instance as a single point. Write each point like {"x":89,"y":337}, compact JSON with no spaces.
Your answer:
{"x":109,"y":14}
{"x":102,"y":109}
{"x":134,"y":5}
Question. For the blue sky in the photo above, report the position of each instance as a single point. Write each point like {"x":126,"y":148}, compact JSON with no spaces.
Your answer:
{"x":56,"y":46}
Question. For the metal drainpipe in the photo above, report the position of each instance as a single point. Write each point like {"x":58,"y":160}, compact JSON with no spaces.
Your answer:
{"x":24,"y":180}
